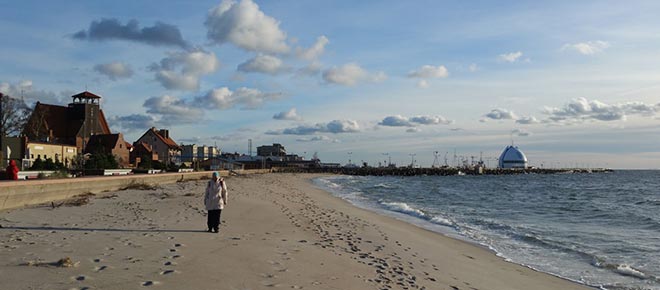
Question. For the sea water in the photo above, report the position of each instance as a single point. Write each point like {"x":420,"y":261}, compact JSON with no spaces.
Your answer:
{"x":599,"y":229}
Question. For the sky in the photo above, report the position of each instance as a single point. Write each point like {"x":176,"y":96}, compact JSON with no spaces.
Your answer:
{"x":571,"y":83}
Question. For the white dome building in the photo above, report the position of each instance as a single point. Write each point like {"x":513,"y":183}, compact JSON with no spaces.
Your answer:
{"x":512,"y":157}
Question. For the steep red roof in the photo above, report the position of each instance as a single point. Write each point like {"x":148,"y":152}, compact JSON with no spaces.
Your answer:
{"x":86,"y":95}
{"x":168,"y":141}
{"x":104,"y":123}
{"x":54,"y":118}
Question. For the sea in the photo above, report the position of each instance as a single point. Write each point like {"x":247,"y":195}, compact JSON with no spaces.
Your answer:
{"x":599,"y":229}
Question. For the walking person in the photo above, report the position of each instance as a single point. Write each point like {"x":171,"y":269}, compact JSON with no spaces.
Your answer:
{"x":215,"y":200}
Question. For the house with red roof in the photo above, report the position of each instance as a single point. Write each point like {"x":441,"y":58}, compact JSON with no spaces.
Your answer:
{"x":111,"y":144}
{"x":161,"y":145}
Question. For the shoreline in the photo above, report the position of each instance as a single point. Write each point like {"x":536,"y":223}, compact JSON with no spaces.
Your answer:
{"x":456,"y":235}
{"x":279,"y":230}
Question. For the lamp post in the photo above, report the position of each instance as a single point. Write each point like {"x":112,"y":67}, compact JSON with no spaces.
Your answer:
{"x":412,"y":160}
{"x":389,"y":159}
{"x":349,"y":157}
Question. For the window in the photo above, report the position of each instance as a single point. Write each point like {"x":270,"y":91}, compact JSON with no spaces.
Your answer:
{"x":120,"y":146}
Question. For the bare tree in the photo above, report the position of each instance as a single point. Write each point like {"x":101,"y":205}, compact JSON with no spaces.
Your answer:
{"x":14,"y":114}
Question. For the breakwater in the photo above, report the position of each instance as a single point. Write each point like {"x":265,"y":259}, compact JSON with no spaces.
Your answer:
{"x":444,"y":171}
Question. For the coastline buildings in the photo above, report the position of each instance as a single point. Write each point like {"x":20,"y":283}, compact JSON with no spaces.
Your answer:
{"x":62,"y":132}
{"x":111,"y":144}
{"x":71,"y":125}
{"x":161,"y":145}
{"x":512,"y":157}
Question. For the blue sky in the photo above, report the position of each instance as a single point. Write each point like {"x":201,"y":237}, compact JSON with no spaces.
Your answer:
{"x":573,"y":83}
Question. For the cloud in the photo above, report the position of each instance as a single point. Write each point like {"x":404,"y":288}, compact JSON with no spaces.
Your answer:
{"x":334,"y":127}
{"x":114,"y":70}
{"x":473,"y":67}
{"x":246,"y":98}
{"x":413,"y":130}
{"x":395,"y":121}
{"x":191,"y":140}
{"x":423,"y":84}
{"x":521,"y":132}
{"x":429,"y":71}
{"x":582,"y":109}
{"x":431,"y":120}
{"x":173,"y":110}
{"x":351,"y":74}
{"x":587,"y":48}
{"x":161,"y":34}
{"x":527,"y":120}
{"x":182,"y":70}
{"x":290,"y":115}
{"x":320,"y":138}
{"x":264,"y":64}
{"x":25,"y":89}
{"x":246,"y":26}
{"x":312,"y":69}
{"x":510,"y":57}
{"x":400,"y":121}
{"x":134,"y":122}
{"x":501,"y":114}
{"x":316,"y":50}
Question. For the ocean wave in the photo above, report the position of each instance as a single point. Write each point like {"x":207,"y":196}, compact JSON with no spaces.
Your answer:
{"x":442,"y":221}
{"x":384,"y":185}
{"x":621,"y":269}
{"x":403,"y":207}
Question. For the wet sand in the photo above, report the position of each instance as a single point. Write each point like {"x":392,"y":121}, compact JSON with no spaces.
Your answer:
{"x":278,"y":231}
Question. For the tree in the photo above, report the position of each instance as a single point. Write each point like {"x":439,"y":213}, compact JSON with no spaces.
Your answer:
{"x":100,"y":160}
{"x":14,"y":114}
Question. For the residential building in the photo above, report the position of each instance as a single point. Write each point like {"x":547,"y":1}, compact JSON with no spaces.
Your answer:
{"x":189,"y":153}
{"x":63,"y":153}
{"x":112,"y":144}
{"x":142,"y":152}
{"x":271,"y":150}
{"x":162,"y":145}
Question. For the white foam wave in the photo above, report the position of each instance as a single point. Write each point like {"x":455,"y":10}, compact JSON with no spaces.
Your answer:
{"x":628,"y":270}
{"x":442,"y":221}
{"x":403,"y":207}
{"x":383,"y":185}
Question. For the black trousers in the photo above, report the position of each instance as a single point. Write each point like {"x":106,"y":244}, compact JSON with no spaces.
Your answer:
{"x":214,"y":219}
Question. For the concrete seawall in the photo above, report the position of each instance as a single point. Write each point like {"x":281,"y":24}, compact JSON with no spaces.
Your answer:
{"x":14,"y":194}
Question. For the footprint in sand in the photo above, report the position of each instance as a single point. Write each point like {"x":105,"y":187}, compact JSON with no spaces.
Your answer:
{"x":167,"y":272}
{"x":80,"y":278}
{"x":99,"y":269}
{"x":149,"y":283}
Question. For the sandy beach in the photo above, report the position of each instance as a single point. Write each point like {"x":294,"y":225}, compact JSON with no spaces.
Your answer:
{"x":278,"y":231}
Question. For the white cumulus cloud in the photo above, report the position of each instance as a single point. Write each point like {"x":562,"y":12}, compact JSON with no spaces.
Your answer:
{"x":245,"y":98}
{"x":114,"y":70}
{"x":510,"y":57}
{"x":182,"y":70}
{"x":267,"y":64}
{"x":400,"y":121}
{"x":290,"y":115}
{"x":334,"y":127}
{"x":587,"y":48}
{"x":501,"y":114}
{"x":351,"y":74}
{"x":312,"y":53}
{"x":582,"y":109}
{"x":246,"y":26}
{"x":429,"y":71}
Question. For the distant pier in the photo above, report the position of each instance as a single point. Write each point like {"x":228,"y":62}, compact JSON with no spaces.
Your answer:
{"x":441,"y":171}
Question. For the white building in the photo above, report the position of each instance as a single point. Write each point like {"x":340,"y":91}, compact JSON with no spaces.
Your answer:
{"x":512,"y":157}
